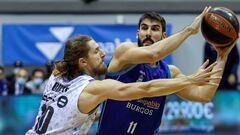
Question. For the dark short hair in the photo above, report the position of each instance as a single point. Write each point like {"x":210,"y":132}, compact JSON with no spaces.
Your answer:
{"x":75,"y":48}
{"x":37,"y":70}
{"x":153,"y":16}
{"x":18,"y":63}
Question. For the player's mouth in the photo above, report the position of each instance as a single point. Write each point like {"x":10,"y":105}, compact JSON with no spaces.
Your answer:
{"x":148,"y":41}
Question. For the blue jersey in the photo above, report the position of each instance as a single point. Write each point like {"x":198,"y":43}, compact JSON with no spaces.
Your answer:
{"x":135,"y":117}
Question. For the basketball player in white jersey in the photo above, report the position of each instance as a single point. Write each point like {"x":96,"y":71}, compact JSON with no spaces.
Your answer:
{"x":72,"y":95}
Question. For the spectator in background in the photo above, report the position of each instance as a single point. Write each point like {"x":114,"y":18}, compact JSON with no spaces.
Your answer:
{"x":16,"y":67}
{"x":230,"y":78}
{"x":18,"y":85}
{"x":35,"y":84}
{"x":3,"y":83}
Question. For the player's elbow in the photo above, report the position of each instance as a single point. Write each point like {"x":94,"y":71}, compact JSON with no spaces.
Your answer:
{"x":207,"y":97}
{"x":203,"y":100}
{"x":207,"y":100}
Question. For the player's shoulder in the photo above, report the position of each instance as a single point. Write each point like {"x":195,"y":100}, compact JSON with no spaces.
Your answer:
{"x":125,"y":46}
{"x":82,"y":78}
{"x":122,"y":49}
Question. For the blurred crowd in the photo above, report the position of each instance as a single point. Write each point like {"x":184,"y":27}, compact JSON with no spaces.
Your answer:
{"x":23,"y":82}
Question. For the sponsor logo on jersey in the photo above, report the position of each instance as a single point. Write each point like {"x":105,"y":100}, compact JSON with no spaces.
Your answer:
{"x":150,"y":104}
{"x":57,"y":87}
{"x":47,"y":98}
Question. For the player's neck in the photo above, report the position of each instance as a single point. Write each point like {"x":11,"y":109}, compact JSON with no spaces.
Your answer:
{"x":153,"y":64}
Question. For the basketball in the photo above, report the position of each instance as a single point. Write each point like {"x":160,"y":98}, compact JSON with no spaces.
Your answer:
{"x":220,"y":27}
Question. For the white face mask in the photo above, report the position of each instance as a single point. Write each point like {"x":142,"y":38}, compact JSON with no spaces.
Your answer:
{"x":21,"y":81}
{"x":37,"y":82}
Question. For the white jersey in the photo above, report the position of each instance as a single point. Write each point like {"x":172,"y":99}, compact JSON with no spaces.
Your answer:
{"x":58,"y":113}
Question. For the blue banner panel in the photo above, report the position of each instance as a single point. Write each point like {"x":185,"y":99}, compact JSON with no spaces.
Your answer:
{"x":36,"y":44}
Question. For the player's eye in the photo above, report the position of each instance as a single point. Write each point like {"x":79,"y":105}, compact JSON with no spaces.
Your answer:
{"x":144,"y":27}
{"x":155,"y":28}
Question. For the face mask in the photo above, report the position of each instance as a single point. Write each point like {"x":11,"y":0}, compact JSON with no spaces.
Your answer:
{"x":16,"y":70}
{"x":21,"y":81}
{"x":37,"y":82}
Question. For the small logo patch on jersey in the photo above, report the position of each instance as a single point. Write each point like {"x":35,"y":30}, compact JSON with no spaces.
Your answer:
{"x":62,"y":101}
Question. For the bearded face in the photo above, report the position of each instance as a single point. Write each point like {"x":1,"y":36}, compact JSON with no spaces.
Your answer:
{"x":150,"y":31}
{"x":95,"y":61}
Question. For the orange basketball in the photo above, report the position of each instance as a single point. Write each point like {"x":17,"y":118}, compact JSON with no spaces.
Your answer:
{"x":220,"y":27}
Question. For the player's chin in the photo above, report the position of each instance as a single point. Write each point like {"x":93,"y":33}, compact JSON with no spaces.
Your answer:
{"x":102,"y":69}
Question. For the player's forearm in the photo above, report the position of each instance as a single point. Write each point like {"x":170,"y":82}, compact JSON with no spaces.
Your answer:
{"x":206,"y":93}
{"x":161,"y":87}
{"x":158,"y":87}
{"x":165,"y":47}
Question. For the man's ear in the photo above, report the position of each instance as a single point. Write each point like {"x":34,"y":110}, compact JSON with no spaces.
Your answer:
{"x":164,"y":35}
{"x":137,"y":34}
{"x":82,"y":62}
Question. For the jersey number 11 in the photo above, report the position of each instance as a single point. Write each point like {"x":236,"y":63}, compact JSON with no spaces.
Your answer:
{"x":132,"y":127}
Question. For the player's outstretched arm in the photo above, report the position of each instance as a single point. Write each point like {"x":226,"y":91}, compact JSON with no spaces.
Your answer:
{"x":98,"y":91}
{"x":205,"y":93}
{"x":128,"y":53}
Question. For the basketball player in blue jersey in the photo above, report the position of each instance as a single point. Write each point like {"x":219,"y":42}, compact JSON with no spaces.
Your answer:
{"x":141,"y":63}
